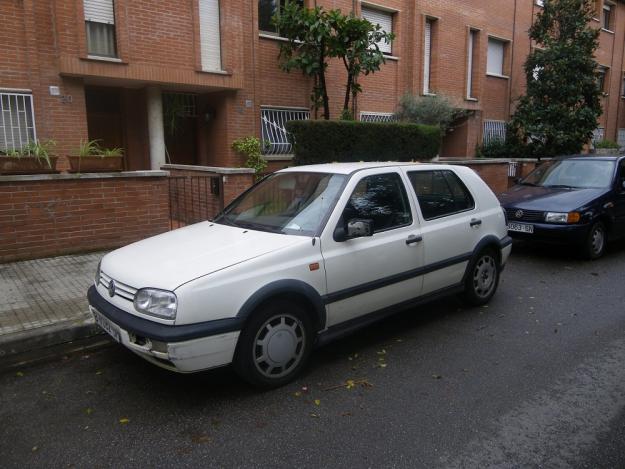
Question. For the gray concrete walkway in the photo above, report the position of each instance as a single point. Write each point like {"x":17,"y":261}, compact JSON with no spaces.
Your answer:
{"x":43,"y":302}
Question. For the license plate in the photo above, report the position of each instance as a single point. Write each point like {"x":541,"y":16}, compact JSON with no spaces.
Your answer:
{"x":521,"y":227}
{"x":107,"y":325}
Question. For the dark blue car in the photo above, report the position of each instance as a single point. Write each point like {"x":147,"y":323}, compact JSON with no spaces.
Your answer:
{"x":578,"y":201}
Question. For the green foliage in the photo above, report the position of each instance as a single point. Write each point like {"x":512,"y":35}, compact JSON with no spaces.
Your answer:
{"x":560,"y":109}
{"x":93,"y":148}
{"x":428,"y":110}
{"x":340,"y":141}
{"x":606,"y":144}
{"x":346,"y":115}
{"x":35,"y":149}
{"x":250,"y":147}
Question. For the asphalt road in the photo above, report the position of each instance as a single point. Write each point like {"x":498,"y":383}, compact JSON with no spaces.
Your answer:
{"x":536,"y":379}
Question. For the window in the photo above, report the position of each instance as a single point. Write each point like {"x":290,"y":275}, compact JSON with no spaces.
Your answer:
{"x":381,"y":198}
{"x":377,"y":117}
{"x":100,"y":28}
{"x":210,"y":42}
{"x":440,"y":193}
{"x":427,"y":56}
{"x":496,"y":55}
{"x":601,"y":78}
{"x":273,"y":132}
{"x":267,"y":9}
{"x":623,"y":87}
{"x":606,"y":20}
{"x":493,"y":131}
{"x":17,"y":121}
{"x":473,"y":46}
{"x":385,"y":20}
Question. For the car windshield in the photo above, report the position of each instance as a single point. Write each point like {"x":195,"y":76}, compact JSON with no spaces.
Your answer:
{"x":289,"y":203}
{"x":576,"y":174}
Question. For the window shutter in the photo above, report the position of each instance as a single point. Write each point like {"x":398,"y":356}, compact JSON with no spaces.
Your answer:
{"x":99,"y":11}
{"x":427,"y":56}
{"x":495,"y":57}
{"x":210,"y":40}
{"x":470,"y":64}
{"x":385,"y":20}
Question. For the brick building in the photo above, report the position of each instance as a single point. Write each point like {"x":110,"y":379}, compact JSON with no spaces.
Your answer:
{"x":179,"y":81}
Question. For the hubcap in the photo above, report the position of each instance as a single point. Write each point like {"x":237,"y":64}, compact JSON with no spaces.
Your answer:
{"x":597,"y":240}
{"x":484,"y":276}
{"x":279,"y":345}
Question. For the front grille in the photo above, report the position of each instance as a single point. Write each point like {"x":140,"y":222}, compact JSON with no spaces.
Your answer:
{"x":528,"y":215}
{"x":121,"y":289}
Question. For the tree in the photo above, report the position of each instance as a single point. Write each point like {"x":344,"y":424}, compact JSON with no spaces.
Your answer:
{"x":355,"y":41}
{"x":436,"y":110}
{"x":559,"y":111}
{"x":309,"y":37}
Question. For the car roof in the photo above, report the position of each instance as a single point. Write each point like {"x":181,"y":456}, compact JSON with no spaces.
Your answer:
{"x":349,"y":168}
{"x":590,"y":157}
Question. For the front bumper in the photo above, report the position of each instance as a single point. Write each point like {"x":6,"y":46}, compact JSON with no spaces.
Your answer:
{"x":185,"y":348}
{"x":554,"y":234}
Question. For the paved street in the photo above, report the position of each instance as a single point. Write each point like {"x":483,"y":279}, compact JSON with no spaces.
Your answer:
{"x":536,"y":379}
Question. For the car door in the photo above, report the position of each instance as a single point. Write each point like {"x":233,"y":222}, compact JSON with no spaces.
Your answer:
{"x":619,"y":200}
{"x":450,"y":226}
{"x":369,"y":273}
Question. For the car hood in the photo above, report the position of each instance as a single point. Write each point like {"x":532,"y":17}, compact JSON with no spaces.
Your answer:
{"x":171,"y":259}
{"x":548,"y":198}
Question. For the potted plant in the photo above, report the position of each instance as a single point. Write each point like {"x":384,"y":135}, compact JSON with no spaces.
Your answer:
{"x":92,"y":158}
{"x":33,"y":158}
{"x":606,"y":147}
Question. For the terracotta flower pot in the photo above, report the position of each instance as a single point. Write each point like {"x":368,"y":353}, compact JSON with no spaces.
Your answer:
{"x":10,"y":165}
{"x":95,"y":164}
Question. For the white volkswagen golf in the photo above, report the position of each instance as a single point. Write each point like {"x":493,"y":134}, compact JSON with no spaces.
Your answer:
{"x":306,"y":255}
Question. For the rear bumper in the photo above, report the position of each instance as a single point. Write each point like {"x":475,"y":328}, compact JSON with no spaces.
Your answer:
{"x":554,"y":234}
{"x":184,"y":349}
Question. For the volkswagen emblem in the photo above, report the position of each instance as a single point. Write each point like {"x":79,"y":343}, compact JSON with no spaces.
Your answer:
{"x":518,"y":214}
{"x":112,"y":288}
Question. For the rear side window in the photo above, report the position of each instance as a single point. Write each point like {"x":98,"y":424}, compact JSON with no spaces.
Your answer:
{"x":440,"y":193}
{"x":381,"y":198}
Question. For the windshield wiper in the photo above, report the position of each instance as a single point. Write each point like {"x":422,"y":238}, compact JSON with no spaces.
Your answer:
{"x":559,"y":186}
{"x":258,"y":226}
{"x":525,"y":183}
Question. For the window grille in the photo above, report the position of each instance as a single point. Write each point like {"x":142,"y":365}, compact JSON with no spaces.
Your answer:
{"x":377,"y":117}
{"x":273,"y":132}
{"x":621,"y":138}
{"x":494,"y":131}
{"x":598,"y":135}
{"x":17,"y":121}
{"x":513,"y":167}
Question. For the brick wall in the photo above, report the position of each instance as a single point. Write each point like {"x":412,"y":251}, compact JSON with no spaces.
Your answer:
{"x":64,"y":214}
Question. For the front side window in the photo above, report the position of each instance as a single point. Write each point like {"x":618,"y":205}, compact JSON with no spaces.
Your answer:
{"x":267,"y":9}
{"x":295,"y":203}
{"x":17,"y":121}
{"x":100,"y":28}
{"x":440,"y":193}
{"x":381,"y":198}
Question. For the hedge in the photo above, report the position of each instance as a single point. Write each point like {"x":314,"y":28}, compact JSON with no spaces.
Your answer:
{"x":321,"y":141}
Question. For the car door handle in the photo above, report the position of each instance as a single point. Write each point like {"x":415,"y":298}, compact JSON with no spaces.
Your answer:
{"x":412,"y":239}
{"x":475,"y":222}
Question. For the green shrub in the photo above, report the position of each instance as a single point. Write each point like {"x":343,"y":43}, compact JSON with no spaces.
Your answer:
{"x":320,"y":141}
{"x":606,"y":144}
{"x":250,"y":147}
{"x":429,"y":110}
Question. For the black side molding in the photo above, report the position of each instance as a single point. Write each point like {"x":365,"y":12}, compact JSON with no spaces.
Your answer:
{"x":158,"y":331}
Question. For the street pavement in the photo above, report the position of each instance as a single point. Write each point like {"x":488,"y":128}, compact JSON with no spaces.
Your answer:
{"x":535,"y":379}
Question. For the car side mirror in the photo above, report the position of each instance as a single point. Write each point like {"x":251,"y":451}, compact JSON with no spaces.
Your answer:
{"x":518,"y":180}
{"x":358,"y":228}
{"x":623,"y":184}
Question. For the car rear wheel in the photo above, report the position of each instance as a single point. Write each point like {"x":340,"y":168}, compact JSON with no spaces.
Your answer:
{"x":594,"y":247}
{"x":275,"y":345}
{"x":482,"y":279}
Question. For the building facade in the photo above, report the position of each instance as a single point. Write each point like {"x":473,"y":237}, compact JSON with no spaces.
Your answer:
{"x":178,"y":82}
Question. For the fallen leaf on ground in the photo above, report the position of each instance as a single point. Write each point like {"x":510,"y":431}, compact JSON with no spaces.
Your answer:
{"x":297,"y":394}
{"x":316,"y":416}
{"x":346,"y":414}
{"x":381,"y":352}
{"x":436,"y":376}
{"x":317,"y":402}
{"x":99,"y":372}
{"x":35,"y":448}
{"x":19,"y":374}
{"x":124,"y":420}
{"x":88,"y":411}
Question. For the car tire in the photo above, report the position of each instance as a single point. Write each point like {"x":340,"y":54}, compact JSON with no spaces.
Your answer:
{"x":482,"y":278}
{"x":275,"y":344}
{"x":595,"y":243}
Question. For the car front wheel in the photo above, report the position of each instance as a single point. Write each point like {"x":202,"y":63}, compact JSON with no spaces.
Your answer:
{"x":594,"y":247}
{"x":482,"y":279}
{"x":275,"y":344}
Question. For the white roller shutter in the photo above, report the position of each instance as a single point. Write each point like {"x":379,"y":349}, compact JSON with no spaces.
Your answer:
{"x":99,"y":11}
{"x":385,"y":20}
{"x":210,"y":37}
{"x":427,"y":56}
{"x":494,"y":63}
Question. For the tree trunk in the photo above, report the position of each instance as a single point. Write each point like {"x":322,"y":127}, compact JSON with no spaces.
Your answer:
{"x":322,"y":84}
{"x":348,"y":90}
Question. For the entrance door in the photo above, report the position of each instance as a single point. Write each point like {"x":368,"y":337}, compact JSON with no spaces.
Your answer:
{"x":180,"y":121}
{"x":104,"y":116}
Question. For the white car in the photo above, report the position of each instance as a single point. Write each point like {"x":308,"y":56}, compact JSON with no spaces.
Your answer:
{"x":305,"y":256}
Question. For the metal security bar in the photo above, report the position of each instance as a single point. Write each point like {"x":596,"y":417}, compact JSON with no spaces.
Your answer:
{"x":494,"y":131}
{"x":621,"y":138}
{"x":513,"y":168}
{"x":377,"y":117}
{"x":273,"y":132}
{"x":598,"y":135}
{"x":17,"y":121}
{"x":193,"y":199}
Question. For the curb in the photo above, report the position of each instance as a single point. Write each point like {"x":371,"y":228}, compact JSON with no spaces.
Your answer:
{"x":27,"y":346}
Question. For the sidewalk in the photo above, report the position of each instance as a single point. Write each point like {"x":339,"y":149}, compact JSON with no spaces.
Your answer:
{"x":44,"y":303}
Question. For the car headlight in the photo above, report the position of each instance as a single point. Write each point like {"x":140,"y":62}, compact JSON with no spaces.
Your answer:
{"x":159,"y":303}
{"x":97,"y":273}
{"x":562,"y":217}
